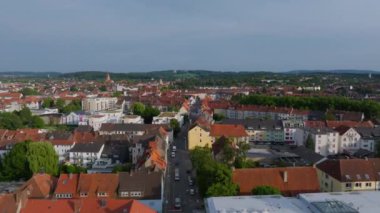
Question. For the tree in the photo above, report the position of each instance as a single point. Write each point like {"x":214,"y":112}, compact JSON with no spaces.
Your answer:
{"x":48,"y":103}
{"x":265,"y":190}
{"x":220,"y":189}
{"x":60,"y":103}
{"x":10,"y":121}
{"x":218,"y":117}
{"x":117,"y":94}
{"x":330,"y":116}
{"x":149,"y":113}
{"x":310,"y":143}
{"x":103,"y":88}
{"x":36,"y":122}
{"x":14,"y":165}
{"x":122,"y":168}
{"x":138,"y":108}
{"x":174,"y":124}
{"x":28,"y":91}
{"x":27,"y":158}
{"x":73,"y":88}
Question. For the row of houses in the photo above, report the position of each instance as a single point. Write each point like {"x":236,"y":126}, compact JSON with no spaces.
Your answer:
{"x":326,"y":141}
{"x":139,"y":191}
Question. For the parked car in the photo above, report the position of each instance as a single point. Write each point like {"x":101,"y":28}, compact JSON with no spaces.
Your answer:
{"x":192,"y":192}
{"x":191,"y":182}
{"x":173,"y":154}
{"x":177,"y":203}
{"x":174,"y":148}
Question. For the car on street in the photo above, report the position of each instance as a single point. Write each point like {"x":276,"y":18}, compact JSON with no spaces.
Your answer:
{"x":176,"y":174}
{"x":174,"y":148}
{"x":177,"y":203}
{"x":190,"y":179}
{"x":173,"y":154}
{"x":192,"y":192}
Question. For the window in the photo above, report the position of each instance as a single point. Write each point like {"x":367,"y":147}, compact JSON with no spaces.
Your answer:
{"x":358,"y":184}
{"x":348,"y":185}
{"x":83,"y":194}
{"x":368,"y":184}
{"x":124,"y":194}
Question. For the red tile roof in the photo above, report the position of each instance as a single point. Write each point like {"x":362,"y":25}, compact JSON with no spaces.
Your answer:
{"x":67,"y":184}
{"x":39,"y":186}
{"x":87,"y":205}
{"x":94,"y":183}
{"x":300,"y":179}
{"x":8,"y":203}
{"x":228,"y":130}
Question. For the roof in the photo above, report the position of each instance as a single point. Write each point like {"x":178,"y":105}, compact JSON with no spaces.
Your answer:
{"x":227,"y":130}
{"x":87,"y":205}
{"x":87,"y":147}
{"x":8,"y":203}
{"x":268,"y":203}
{"x":39,"y":186}
{"x":256,"y":124}
{"x":67,"y":184}
{"x":299,"y":179}
{"x":94,"y":183}
{"x":149,"y":183}
{"x":348,"y":170}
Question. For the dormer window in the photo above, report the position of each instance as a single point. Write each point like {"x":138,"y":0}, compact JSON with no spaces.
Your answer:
{"x":83,"y":194}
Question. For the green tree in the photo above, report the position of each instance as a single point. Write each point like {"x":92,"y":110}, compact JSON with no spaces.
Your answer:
{"x":73,"y":106}
{"x":174,"y":124}
{"x":265,"y":190}
{"x":222,"y":189}
{"x":48,"y":103}
{"x":149,"y":113}
{"x":15,"y":165}
{"x":103,"y":88}
{"x":36,"y":122}
{"x":309,"y":143}
{"x":28,"y":91}
{"x":10,"y":121}
{"x":138,"y":108}
{"x":41,"y":156}
{"x":218,"y":117}
{"x":117,"y":94}
{"x":60,"y":103}
{"x":73,"y":88}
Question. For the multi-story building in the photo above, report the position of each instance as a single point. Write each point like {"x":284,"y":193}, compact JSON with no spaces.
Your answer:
{"x":166,"y":117}
{"x":199,"y":134}
{"x":94,"y":104}
{"x":85,"y":154}
{"x":341,"y":175}
{"x":326,"y":140}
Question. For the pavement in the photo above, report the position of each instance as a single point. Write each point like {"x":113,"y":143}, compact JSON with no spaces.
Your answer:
{"x":180,"y":189}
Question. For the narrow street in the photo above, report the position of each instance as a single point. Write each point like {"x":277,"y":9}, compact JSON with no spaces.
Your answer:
{"x":181,"y":189}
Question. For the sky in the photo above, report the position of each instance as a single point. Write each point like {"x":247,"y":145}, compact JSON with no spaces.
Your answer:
{"x":221,"y":35}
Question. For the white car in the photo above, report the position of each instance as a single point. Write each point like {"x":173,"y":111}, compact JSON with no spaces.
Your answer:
{"x":177,"y":203}
{"x":174,"y":148}
{"x":173,"y":154}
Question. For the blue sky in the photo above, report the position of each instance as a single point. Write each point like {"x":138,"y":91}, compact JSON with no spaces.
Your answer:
{"x":140,"y":35}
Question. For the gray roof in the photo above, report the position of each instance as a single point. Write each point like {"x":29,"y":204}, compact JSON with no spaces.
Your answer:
{"x":130,"y":127}
{"x":87,"y":147}
{"x":141,"y":180}
{"x":255,"y":123}
{"x":366,"y":132}
{"x":302,"y":155}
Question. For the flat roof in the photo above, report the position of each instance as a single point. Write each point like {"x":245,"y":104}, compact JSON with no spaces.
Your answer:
{"x":267,"y":204}
{"x":364,"y":201}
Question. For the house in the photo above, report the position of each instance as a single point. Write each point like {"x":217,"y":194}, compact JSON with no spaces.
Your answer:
{"x":326,"y":141}
{"x":98,"y":185}
{"x":347,"y":115}
{"x":199,"y":134}
{"x":289,"y":180}
{"x":38,"y":186}
{"x":75,"y":118}
{"x":96,"y":121}
{"x":85,"y":154}
{"x":291,"y":130}
{"x":236,"y":132}
{"x":87,"y":205}
{"x":66,"y":186}
{"x":341,"y":175}
{"x":166,"y":117}
{"x":368,"y":137}
{"x":62,"y":142}
{"x":142,"y":185}
{"x":93,"y":104}
{"x":132,"y":119}
{"x":349,"y":139}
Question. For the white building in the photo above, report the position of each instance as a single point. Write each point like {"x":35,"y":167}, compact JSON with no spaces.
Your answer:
{"x":349,"y":139}
{"x":84,"y":154}
{"x":93,"y":104}
{"x":112,"y":116}
{"x":132,"y":119}
{"x":75,"y":118}
{"x":96,"y":121}
{"x":166,"y":117}
{"x":326,"y":141}
{"x":62,"y":149}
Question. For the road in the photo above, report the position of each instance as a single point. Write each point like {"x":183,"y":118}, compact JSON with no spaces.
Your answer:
{"x":190,"y":203}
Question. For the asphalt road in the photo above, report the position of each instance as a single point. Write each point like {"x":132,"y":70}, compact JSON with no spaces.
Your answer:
{"x":180,"y":189}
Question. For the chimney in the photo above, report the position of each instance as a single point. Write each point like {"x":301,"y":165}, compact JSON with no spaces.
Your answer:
{"x":77,"y":205}
{"x":285,"y":176}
